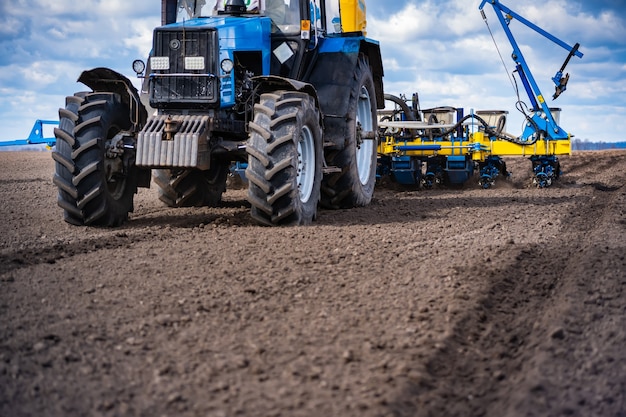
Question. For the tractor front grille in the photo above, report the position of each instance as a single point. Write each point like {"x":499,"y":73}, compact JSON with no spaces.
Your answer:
{"x":178,"y":87}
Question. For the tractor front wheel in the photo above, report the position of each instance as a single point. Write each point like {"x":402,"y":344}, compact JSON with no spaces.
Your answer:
{"x":284,"y":159}
{"x":96,"y":180}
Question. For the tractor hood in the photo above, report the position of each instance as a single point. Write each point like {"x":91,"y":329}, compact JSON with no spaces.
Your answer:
{"x":230,"y":27}
{"x":235,"y":33}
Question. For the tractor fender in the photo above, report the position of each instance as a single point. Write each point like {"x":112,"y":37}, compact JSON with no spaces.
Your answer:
{"x":268,"y":83}
{"x":333,"y":77}
{"x":371,"y":50}
{"x":106,"y":80}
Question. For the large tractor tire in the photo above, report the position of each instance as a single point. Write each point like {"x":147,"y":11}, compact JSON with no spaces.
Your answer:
{"x":90,"y":193}
{"x":353,"y":185}
{"x":192,"y":187}
{"x":64,"y":141}
{"x":284,"y":159}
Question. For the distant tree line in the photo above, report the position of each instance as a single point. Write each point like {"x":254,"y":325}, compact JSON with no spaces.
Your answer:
{"x":587,"y":145}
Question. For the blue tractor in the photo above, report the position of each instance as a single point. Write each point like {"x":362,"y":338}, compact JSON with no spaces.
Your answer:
{"x":288,"y":88}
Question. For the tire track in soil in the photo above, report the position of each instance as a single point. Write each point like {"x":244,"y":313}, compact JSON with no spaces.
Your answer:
{"x":511,"y":353}
{"x":52,"y":253}
{"x":589,"y":331}
{"x":22,"y":181}
{"x":587,"y":164}
{"x":138,"y":230}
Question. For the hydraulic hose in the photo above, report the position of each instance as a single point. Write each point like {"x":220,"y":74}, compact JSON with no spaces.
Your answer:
{"x":494,"y":132}
{"x":409,"y":114}
{"x":403,"y":106}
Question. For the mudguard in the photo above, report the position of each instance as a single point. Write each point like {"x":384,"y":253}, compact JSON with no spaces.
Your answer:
{"x":106,"y":80}
{"x":268,"y":83}
{"x":333,"y":77}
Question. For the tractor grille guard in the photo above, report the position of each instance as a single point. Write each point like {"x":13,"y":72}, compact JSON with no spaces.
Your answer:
{"x":179,"y":87}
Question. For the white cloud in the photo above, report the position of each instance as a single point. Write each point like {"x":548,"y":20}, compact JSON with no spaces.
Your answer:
{"x":21,"y":108}
{"x":140,"y":39}
{"x":565,"y":18}
{"x":589,"y":122}
{"x":42,"y":74}
{"x":10,"y":25}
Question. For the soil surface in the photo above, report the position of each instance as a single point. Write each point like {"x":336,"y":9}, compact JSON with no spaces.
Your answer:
{"x":445,"y":302}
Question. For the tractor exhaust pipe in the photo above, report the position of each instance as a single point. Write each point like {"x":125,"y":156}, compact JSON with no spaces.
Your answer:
{"x":168,"y":11}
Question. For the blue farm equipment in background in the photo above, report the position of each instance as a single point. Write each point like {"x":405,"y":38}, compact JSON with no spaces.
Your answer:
{"x":36,"y":136}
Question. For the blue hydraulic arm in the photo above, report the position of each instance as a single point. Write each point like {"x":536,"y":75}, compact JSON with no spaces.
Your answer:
{"x":537,"y":123}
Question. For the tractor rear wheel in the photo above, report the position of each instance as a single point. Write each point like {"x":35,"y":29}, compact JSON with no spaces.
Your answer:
{"x":354,"y":185}
{"x":94,"y":188}
{"x":192,"y":187}
{"x":284,"y":159}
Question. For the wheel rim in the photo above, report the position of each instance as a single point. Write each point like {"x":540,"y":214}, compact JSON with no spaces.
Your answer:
{"x":306,"y":164}
{"x":365,"y":147}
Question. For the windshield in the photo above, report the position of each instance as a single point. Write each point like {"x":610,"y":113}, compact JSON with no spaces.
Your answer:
{"x":284,"y":14}
{"x":188,"y":9}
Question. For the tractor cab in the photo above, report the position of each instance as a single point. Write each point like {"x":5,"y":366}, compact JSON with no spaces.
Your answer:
{"x":247,"y":38}
{"x":284,"y":15}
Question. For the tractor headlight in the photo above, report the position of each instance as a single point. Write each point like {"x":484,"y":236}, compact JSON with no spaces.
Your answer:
{"x":160,"y":63}
{"x":227,"y":65}
{"x":194,"y":63}
{"x":138,"y":66}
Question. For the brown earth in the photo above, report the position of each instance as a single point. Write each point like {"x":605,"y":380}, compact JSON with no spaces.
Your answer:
{"x":449,"y":302}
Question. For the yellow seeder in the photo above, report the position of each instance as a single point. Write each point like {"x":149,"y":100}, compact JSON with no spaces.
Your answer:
{"x":451,"y":145}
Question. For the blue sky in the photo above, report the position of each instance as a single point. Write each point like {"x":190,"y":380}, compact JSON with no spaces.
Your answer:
{"x":438,"y":48}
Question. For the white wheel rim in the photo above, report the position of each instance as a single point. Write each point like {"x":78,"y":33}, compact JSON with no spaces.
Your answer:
{"x":306,"y":164}
{"x":365,"y":149}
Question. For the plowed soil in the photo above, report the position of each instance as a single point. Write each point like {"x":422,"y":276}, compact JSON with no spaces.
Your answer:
{"x":445,"y":302}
